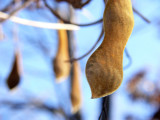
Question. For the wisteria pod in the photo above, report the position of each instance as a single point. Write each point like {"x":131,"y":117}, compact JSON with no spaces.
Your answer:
{"x":104,"y":69}
{"x":76,"y":96}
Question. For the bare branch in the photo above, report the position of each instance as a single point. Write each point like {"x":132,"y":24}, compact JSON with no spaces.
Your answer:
{"x":104,"y":115}
{"x":138,"y":13}
{"x":39,"y":24}
{"x":27,"y":3}
{"x":86,"y":3}
{"x":79,"y":58}
{"x":129,"y":58}
{"x":66,"y":21}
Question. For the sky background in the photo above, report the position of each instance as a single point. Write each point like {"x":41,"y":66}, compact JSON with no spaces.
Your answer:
{"x":38,"y":81}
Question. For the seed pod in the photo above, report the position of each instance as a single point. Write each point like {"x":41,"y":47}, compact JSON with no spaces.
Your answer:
{"x":76,"y":97}
{"x":2,"y":36}
{"x":14,"y":77}
{"x":104,"y":69}
{"x":61,"y":67}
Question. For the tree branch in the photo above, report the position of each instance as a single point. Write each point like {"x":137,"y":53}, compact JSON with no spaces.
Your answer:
{"x":79,"y":58}
{"x":129,"y":58}
{"x":138,"y":13}
{"x":25,"y":4}
{"x":66,"y":21}
{"x":38,"y":24}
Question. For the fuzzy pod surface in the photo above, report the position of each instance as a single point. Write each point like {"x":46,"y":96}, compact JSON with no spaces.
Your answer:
{"x":104,"y":69}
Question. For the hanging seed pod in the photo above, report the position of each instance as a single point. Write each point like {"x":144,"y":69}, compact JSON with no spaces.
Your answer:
{"x":61,"y":67}
{"x":14,"y":77}
{"x":76,"y":97}
{"x":2,"y":36}
{"x":104,"y":69}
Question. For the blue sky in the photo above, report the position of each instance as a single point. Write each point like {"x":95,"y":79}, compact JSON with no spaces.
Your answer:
{"x":38,"y":79}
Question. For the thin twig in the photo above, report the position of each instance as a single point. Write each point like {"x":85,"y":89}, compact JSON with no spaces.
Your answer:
{"x":79,"y":58}
{"x":129,"y":58}
{"x":66,"y":21}
{"x":39,"y":24}
{"x":138,"y":13}
{"x":25,"y":4}
{"x":76,"y":4}
{"x":86,"y":3}
{"x":104,"y":115}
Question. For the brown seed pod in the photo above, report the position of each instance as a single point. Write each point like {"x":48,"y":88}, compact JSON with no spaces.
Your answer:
{"x":104,"y":69}
{"x":61,"y":67}
{"x":76,"y":97}
{"x":2,"y":36}
{"x":14,"y":77}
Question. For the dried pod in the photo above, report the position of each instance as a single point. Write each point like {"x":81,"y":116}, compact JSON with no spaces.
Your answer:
{"x":14,"y":77}
{"x":104,"y":69}
{"x":2,"y":36}
{"x":76,"y":97}
{"x":61,"y":67}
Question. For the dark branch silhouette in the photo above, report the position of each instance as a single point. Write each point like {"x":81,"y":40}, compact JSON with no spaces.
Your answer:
{"x":129,"y":58}
{"x":79,"y":58}
{"x":67,"y":21}
{"x":24,"y":5}
{"x":138,"y":13}
{"x":76,"y":3}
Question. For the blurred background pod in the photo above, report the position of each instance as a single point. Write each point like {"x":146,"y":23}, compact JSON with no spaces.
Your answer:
{"x":16,"y":73}
{"x":61,"y":67}
{"x":14,"y":76}
{"x":2,"y":36}
{"x":76,"y":95}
